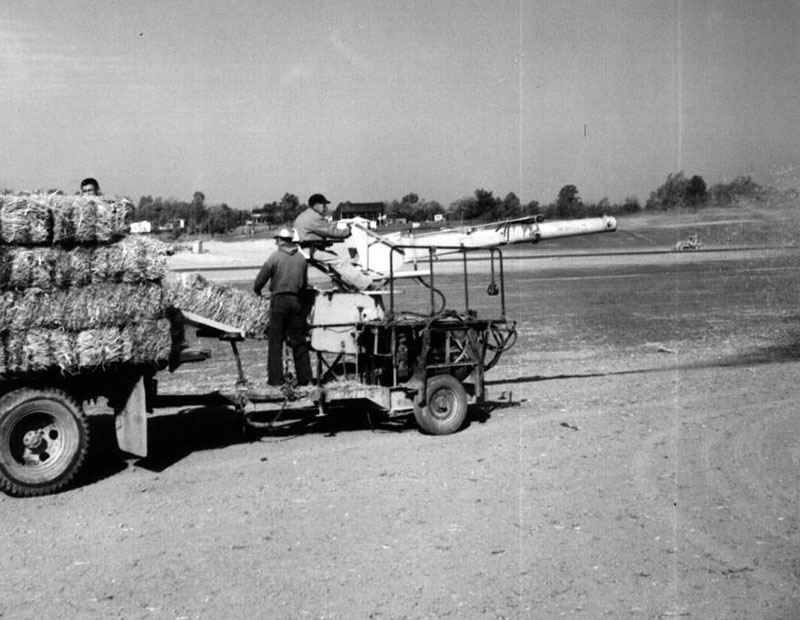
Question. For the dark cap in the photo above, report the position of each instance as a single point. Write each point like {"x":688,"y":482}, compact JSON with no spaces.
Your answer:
{"x":318,"y":199}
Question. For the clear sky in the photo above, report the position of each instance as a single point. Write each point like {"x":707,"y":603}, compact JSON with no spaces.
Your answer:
{"x":369,"y":100}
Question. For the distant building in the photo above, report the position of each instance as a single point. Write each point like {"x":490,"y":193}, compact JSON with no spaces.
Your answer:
{"x":141,"y":227}
{"x":374,"y":211}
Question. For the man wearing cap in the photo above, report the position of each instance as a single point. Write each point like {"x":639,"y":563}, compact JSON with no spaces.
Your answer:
{"x":311,"y":227}
{"x":286,"y":271}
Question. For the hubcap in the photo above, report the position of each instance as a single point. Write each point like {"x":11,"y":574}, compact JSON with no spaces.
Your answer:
{"x":36,"y":440}
{"x":442,"y":404}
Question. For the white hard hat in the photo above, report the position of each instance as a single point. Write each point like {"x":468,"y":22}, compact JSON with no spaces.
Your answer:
{"x":284,"y":233}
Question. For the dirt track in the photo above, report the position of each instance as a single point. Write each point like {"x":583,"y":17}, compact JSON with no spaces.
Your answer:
{"x":639,"y":460}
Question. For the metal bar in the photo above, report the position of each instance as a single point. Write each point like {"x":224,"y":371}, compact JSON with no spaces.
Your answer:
{"x":242,"y":379}
{"x":431,"y":254}
{"x":502,"y":285}
{"x":466,"y":283}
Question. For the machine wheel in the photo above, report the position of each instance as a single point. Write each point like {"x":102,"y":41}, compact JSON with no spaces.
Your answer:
{"x":44,"y":437}
{"x":445,"y":406}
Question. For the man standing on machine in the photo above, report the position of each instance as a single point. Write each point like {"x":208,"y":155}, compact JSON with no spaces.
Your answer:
{"x":286,"y":271}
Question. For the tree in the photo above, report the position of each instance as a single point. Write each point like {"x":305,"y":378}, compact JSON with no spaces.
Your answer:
{"x":670,"y":194}
{"x":631,"y":205}
{"x":410,"y":199}
{"x":290,"y":207}
{"x":568,"y":202}
{"x":532,"y":208}
{"x":197,"y":212}
{"x":696,"y":191}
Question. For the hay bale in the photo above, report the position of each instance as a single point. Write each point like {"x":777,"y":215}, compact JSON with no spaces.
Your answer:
{"x":36,"y":350}
{"x":133,"y":261}
{"x":20,"y":268}
{"x":5,"y":266}
{"x":242,"y":309}
{"x":7,"y":309}
{"x":76,"y":268}
{"x":25,"y":220}
{"x":148,"y":342}
{"x":13,"y":345}
{"x":52,"y":218}
{"x":80,"y":308}
{"x":39,"y":350}
{"x":98,"y":348}
{"x":63,"y":219}
{"x":64,"y":354}
{"x":143,"y":260}
{"x":84,"y":213}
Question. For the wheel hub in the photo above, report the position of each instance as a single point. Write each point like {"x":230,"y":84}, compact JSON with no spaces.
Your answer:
{"x":32,"y":439}
{"x":39,"y":444}
{"x":442,"y":404}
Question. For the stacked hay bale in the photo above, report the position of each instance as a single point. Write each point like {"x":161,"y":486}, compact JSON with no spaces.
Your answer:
{"x":219,"y":302}
{"x":75,"y":292}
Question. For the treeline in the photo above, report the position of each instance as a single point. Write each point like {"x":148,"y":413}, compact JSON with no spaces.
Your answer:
{"x":193,"y":217}
{"x":678,"y":191}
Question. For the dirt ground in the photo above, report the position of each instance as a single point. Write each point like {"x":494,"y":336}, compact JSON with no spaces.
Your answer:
{"x":639,"y":458}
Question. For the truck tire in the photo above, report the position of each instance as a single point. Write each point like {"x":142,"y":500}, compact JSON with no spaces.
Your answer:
{"x":445,"y":407}
{"x":44,"y":438}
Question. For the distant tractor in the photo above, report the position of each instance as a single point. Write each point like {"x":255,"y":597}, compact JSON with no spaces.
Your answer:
{"x":692,"y":243}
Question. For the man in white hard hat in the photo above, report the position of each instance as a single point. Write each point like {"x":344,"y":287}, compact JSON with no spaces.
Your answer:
{"x":286,"y":271}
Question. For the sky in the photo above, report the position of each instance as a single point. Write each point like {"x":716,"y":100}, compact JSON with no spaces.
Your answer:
{"x":369,"y":100}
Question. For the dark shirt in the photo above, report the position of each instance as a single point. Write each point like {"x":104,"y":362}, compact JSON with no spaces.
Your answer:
{"x":285,"y":269}
{"x":311,"y":226}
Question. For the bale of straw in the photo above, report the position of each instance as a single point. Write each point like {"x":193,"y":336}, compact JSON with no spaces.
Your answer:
{"x":143,"y":259}
{"x":7,"y":309}
{"x":25,"y":220}
{"x":107,"y":305}
{"x":94,"y":219}
{"x":36,"y":350}
{"x":132,"y":261}
{"x":22,"y":267}
{"x":51,"y":218}
{"x":5,"y":266}
{"x":64,"y":354}
{"x":84,"y":213}
{"x":148,"y":342}
{"x":13,"y":350}
{"x":43,"y":266}
{"x":98,"y":348}
{"x":232,"y":306}
{"x":76,"y":268}
{"x":63,"y":219}
{"x":113,"y":220}
{"x":80,"y":308}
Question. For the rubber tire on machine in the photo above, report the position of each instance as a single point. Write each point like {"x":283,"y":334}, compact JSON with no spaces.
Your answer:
{"x":31,"y":423}
{"x":445,"y":406}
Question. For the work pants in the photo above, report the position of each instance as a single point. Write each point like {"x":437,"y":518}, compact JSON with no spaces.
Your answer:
{"x":287,"y":322}
{"x":341,"y":265}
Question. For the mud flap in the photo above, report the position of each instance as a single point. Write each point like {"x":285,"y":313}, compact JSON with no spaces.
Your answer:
{"x":131,"y":419}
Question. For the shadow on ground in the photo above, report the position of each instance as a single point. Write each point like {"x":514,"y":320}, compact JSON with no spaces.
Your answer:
{"x":173,"y":436}
{"x":771,"y":354}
